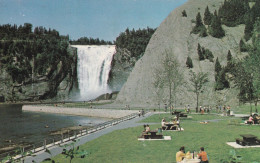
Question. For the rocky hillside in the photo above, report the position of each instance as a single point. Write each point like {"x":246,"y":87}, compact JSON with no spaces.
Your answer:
{"x":174,"y":35}
{"x":121,"y":66}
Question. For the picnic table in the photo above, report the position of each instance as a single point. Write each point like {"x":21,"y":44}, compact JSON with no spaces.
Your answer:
{"x":153,"y":134}
{"x":248,"y":139}
{"x":193,"y":160}
{"x":170,"y":126}
{"x":179,"y":113}
{"x":176,"y":112}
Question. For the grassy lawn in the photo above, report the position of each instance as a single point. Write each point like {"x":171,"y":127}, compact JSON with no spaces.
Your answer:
{"x":123,"y":146}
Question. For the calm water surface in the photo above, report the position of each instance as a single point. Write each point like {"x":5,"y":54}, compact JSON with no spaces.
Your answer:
{"x":29,"y":127}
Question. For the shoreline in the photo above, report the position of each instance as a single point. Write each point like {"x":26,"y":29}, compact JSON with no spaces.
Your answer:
{"x":102,"y":113}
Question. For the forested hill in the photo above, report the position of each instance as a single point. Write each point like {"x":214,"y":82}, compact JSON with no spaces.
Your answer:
{"x":218,"y":39}
{"x":33,"y":62}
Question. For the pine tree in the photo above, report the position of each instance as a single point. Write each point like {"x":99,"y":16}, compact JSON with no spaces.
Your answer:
{"x":198,"y":20}
{"x":189,"y":62}
{"x":221,"y":81}
{"x":184,"y":14}
{"x":200,"y":53}
{"x":207,"y":16}
{"x":218,"y":67}
{"x":203,"y":31}
{"x":216,"y":29}
{"x":229,"y":56}
{"x":197,"y":28}
{"x":232,"y":12}
{"x":209,"y":55}
{"x":249,"y":26}
{"x":242,"y":46}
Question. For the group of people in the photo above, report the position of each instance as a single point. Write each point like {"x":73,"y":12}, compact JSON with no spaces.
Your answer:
{"x":225,"y":109}
{"x":141,"y":112}
{"x":175,"y":122}
{"x":202,"y":155}
{"x":253,"y":119}
{"x":204,"y":109}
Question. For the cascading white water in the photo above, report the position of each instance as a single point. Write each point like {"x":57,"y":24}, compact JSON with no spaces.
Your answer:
{"x":93,"y":69}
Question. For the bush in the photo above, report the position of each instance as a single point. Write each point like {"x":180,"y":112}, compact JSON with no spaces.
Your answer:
{"x":189,"y":62}
{"x":242,"y":46}
{"x":184,"y":14}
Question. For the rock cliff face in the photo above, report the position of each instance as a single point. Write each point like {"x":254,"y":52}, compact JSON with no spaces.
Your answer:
{"x":121,"y":66}
{"x":58,"y":86}
{"x":174,"y":36}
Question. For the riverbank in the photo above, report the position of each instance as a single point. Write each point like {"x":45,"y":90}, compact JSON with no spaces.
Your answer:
{"x":103,"y":113}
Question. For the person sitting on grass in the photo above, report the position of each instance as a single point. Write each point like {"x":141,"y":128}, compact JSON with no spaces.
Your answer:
{"x":180,"y":155}
{"x":203,"y":156}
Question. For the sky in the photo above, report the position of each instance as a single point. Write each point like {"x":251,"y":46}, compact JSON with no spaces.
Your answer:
{"x":103,"y":19}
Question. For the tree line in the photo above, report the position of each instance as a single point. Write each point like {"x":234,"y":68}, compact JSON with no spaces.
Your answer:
{"x":135,"y":41}
{"x":89,"y":41}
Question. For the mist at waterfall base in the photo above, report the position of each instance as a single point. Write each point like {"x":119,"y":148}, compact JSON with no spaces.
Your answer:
{"x":93,"y":67}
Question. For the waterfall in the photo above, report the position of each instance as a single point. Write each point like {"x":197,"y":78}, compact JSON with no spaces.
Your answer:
{"x":93,"y":69}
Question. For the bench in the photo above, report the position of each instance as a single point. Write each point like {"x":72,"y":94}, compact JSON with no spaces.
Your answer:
{"x":238,"y":140}
{"x":152,"y":135}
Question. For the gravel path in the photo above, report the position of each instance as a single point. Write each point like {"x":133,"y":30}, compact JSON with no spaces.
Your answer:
{"x":82,"y":140}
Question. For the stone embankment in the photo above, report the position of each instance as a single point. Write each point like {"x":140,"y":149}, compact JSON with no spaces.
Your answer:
{"x":104,"y":113}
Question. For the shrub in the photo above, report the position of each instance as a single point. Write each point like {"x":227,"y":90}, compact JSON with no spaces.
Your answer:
{"x":184,"y":14}
{"x":189,"y":62}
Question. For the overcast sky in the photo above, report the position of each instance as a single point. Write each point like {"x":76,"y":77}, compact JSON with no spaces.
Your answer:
{"x":103,"y":19}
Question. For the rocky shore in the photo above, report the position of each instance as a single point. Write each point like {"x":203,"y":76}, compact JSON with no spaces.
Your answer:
{"x":104,"y":113}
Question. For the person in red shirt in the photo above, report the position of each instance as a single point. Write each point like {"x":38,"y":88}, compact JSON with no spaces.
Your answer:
{"x":203,"y":156}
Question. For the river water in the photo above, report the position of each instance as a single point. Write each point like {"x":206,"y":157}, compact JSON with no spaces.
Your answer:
{"x":18,"y":127}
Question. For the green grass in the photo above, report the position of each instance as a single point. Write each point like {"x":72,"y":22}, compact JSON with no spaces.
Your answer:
{"x":245,"y":109}
{"x":123,"y":146}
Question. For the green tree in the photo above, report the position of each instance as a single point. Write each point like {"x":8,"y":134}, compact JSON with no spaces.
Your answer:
{"x":215,"y":28}
{"x":203,"y":32}
{"x":184,"y":14}
{"x":217,"y":66}
{"x":243,"y":79}
{"x":249,"y":26}
{"x":207,"y":16}
{"x":158,"y":83}
{"x":198,"y":82}
{"x":232,"y":12}
{"x":229,"y":56}
{"x":171,"y":75}
{"x":221,"y":80}
{"x":189,"y":62}
{"x":242,"y":46}
{"x":209,"y":55}
{"x":200,"y":53}
{"x":199,"y":28}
